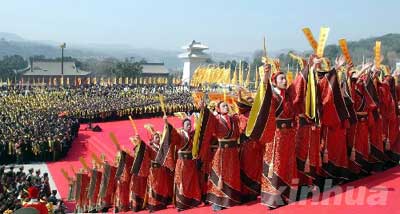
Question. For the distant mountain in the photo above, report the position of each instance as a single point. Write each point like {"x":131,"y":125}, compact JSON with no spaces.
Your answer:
{"x":10,"y":37}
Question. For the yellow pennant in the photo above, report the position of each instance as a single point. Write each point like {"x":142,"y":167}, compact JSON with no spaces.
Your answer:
{"x":378,"y":54}
{"x":345,"y":50}
{"x":310,"y":38}
{"x":323,"y":37}
{"x":133,"y":125}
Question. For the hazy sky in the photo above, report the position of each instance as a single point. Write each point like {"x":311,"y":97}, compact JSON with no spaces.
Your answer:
{"x":225,"y":26}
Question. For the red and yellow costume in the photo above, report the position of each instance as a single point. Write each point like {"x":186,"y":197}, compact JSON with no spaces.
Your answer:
{"x":160,"y":181}
{"x":94,"y":188}
{"x":123,"y":176}
{"x":140,"y":172}
{"x":81,"y":190}
{"x":224,"y":188}
{"x":251,"y":155}
{"x":187,"y":185}
{"x":107,"y":186}
{"x":275,"y":112}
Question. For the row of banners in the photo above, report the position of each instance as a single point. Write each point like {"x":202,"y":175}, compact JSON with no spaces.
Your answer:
{"x":103,"y":81}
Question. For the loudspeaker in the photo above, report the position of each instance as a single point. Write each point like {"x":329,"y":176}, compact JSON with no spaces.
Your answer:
{"x":97,"y":129}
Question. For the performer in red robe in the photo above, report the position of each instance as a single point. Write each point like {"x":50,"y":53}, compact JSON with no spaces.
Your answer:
{"x":334,"y":121}
{"x":308,"y":135}
{"x":140,"y":172}
{"x":160,"y":180}
{"x":94,"y":187}
{"x":186,"y":183}
{"x":275,"y":111}
{"x":251,"y":153}
{"x":377,"y":153}
{"x":123,"y":177}
{"x":34,"y":201}
{"x":358,"y":142}
{"x":223,"y":185}
{"x":107,"y":187}
{"x":81,"y":190}
{"x":390,"y":112}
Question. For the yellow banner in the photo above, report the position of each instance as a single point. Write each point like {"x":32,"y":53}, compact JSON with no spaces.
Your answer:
{"x":378,"y":54}
{"x":310,"y":38}
{"x":345,"y":50}
{"x":323,"y":37}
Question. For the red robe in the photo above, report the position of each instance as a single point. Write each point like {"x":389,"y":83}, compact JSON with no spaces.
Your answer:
{"x":160,"y":180}
{"x":279,"y":180}
{"x":140,"y":172}
{"x":390,"y":112}
{"x":223,"y":184}
{"x":358,"y":135}
{"x":251,"y":155}
{"x":94,"y":187}
{"x":187,"y":185}
{"x":81,"y":192}
{"x":122,"y":193}
{"x":308,"y":136}
{"x":377,"y":153}
{"x":107,"y":186}
{"x":334,"y":121}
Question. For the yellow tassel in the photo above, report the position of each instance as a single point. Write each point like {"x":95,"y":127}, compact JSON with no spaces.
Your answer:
{"x":387,"y":144}
{"x":325,"y":156}
{"x":271,"y":170}
{"x":220,"y":183}
{"x":307,"y":166}
{"x":353,"y":154}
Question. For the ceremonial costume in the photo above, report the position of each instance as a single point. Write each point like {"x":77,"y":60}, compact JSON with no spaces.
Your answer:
{"x":187,"y":185}
{"x":107,"y":186}
{"x":123,"y":176}
{"x":251,"y":155}
{"x":223,"y":185}
{"x":140,"y":172}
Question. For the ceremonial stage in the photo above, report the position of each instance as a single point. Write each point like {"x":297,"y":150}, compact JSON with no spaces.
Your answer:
{"x":379,"y":193}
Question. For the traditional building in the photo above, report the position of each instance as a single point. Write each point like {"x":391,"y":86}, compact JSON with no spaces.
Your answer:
{"x":193,"y":58}
{"x":45,"y":70}
{"x":154,"y":70}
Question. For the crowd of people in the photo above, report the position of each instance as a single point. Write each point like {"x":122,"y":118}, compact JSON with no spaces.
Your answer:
{"x":40,"y":123}
{"x":19,"y":189}
{"x":331,"y":125}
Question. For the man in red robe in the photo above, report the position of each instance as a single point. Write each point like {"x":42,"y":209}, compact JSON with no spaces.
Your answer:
{"x":251,"y":153}
{"x":140,"y":172}
{"x":160,"y":180}
{"x":94,"y":187}
{"x":123,"y":177}
{"x":107,"y":187}
{"x":186,"y":182}
{"x":223,"y":185}
{"x":274,"y":112}
{"x":81,"y":190}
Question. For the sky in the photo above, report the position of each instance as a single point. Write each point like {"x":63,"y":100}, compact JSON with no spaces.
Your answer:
{"x":225,"y":26}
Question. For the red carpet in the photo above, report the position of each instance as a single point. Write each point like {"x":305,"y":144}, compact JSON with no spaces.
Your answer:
{"x":374,"y":194}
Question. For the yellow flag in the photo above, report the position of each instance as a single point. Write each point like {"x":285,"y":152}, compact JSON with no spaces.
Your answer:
{"x":323,"y":37}
{"x":68,"y":81}
{"x":240,"y":74}
{"x":61,"y":81}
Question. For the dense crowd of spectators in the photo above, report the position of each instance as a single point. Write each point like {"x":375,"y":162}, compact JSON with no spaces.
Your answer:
{"x":40,"y":123}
